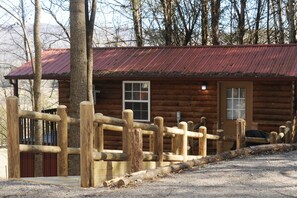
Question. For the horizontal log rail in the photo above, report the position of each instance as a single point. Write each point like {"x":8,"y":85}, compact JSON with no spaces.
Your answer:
{"x":99,"y":118}
{"x":112,"y":127}
{"x":39,"y":116}
{"x":144,"y":126}
{"x":39,"y":148}
{"x":74,"y":121}
{"x":73,"y":151}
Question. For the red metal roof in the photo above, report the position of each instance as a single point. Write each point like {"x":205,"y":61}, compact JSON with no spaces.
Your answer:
{"x":251,"y":61}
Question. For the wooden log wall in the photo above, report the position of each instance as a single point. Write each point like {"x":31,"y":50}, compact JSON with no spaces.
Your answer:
{"x":273,"y":104}
{"x":167,"y":97}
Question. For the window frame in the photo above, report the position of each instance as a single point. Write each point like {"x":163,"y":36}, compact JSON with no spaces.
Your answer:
{"x":148,"y":101}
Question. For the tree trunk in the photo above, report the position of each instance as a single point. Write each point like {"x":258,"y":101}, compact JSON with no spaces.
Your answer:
{"x":89,"y":35}
{"x":215,"y":17}
{"x":258,"y":18}
{"x":167,"y":7}
{"x":291,"y":18}
{"x":241,"y":23}
{"x":204,"y":21}
{"x":275,"y":26}
{"x":137,"y":22}
{"x":268,"y":22}
{"x":78,"y":74}
{"x":36,"y":86}
{"x":280,"y":22}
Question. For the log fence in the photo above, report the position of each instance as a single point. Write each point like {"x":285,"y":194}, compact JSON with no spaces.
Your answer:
{"x":92,"y":150}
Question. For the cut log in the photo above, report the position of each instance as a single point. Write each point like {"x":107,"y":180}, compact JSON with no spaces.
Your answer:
{"x":153,"y":173}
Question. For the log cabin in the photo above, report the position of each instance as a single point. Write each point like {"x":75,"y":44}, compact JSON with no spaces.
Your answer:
{"x":221,"y":83}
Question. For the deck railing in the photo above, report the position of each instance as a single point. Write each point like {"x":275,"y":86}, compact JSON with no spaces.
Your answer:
{"x":91,"y":149}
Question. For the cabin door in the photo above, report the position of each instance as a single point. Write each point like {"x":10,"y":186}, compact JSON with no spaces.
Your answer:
{"x":235,"y":102}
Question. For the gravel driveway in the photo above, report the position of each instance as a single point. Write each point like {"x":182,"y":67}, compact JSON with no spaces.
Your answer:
{"x":252,"y":176}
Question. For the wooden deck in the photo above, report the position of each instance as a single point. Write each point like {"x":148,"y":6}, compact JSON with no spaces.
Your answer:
{"x":73,"y":181}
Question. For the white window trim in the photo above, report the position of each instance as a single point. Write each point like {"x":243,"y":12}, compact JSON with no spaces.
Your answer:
{"x":148,"y":101}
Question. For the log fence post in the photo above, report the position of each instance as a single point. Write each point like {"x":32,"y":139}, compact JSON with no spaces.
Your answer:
{"x":86,"y":144}
{"x":191,"y":140}
{"x":158,"y":148}
{"x":127,"y":135}
{"x":98,"y":136}
{"x":240,"y":133}
{"x":203,"y":141}
{"x":184,"y":143}
{"x":136,"y":150}
{"x":62,"y":157}
{"x":220,"y":141}
{"x":13,"y":142}
{"x":273,"y":137}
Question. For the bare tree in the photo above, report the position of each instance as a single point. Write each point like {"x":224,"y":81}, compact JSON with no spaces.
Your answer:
{"x":90,"y":23}
{"x":78,"y":72}
{"x":215,"y":16}
{"x":36,"y":85}
{"x":168,"y":11}
{"x":137,"y":22}
{"x":291,"y":20}
{"x":204,"y":22}
{"x":241,"y":19}
{"x":280,"y":21}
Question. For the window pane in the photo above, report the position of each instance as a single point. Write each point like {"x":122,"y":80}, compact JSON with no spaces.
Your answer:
{"x":128,"y":87}
{"x":136,"y":105}
{"x":235,"y":104}
{"x":144,"y":115}
{"x":242,"y":93}
{"x":144,"y":106}
{"x":235,"y":93}
{"x":242,"y":104}
{"x":128,"y":95}
{"x":136,"y":86}
{"x":137,"y":115}
{"x":136,"y":95}
{"x":229,"y":104}
{"x":128,"y":105}
{"x":229,"y":93}
{"x":144,"y":86}
{"x":144,"y":96}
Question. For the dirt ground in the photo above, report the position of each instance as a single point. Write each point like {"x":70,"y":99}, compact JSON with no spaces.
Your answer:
{"x":273,"y":175}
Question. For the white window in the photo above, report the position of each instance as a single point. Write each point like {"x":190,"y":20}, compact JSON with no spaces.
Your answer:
{"x":136,"y":96}
{"x":236,"y":98}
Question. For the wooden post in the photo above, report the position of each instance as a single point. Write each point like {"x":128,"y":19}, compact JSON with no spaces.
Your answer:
{"x":220,"y":141}
{"x":184,"y":143}
{"x":62,"y":141}
{"x":240,"y":133}
{"x":99,"y":136}
{"x":13,"y":144}
{"x":273,"y":136}
{"x":136,"y":150}
{"x":158,"y":148}
{"x":86,"y":144}
{"x":203,"y":141}
{"x":127,"y":135}
{"x":174,"y":145}
{"x":289,"y":132}
{"x":191,"y":140}
{"x":152,"y":142}
{"x":128,"y":117}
